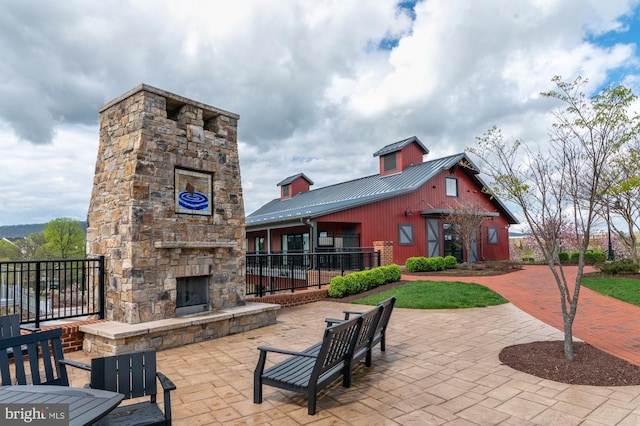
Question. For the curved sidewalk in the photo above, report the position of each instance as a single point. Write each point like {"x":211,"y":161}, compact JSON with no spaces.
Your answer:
{"x":603,"y":322}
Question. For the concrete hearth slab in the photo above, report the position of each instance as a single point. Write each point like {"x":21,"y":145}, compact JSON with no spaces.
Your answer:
{"x":112,"y":337}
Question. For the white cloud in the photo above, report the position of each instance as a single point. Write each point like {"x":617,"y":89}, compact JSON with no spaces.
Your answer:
{"x":314,"y":92}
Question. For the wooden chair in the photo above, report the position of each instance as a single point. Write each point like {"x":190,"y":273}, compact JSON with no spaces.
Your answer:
{"x":10,"y":327}
{"x":44,"y":365}
{"x":133,"y":375}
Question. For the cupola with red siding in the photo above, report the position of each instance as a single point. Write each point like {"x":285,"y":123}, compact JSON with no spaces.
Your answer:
{"x":397,"y":156}
{"x":294,"y":185}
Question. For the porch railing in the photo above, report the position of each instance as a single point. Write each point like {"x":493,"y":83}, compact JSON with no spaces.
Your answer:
{"x":276,"y":272}
{"x":45,"y":290}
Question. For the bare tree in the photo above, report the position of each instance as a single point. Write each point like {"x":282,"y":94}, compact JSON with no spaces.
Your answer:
{"x":561,"y":183}
{"x":623,"y":194}
{"x":466,"y":217}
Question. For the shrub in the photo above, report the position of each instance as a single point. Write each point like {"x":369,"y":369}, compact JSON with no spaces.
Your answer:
{"x":416,"y":264}
{"x":337,"y":287}
{"x":575,"y":255}
{"x":352,"y":284}
{"x":365,"y":280}
{"x":563,"y":256}
{"x":618,"y":267}
{"x":393,"y":273}
{"x":438,"y":263}
{"x":377,"y":277}
{"x":593,"y":257}
{"x":357,"y":282}
{"x":450,"y":262}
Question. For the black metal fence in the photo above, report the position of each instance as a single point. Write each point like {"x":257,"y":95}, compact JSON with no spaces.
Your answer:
{"x":277,"y":272}
{"x":44,"y":290}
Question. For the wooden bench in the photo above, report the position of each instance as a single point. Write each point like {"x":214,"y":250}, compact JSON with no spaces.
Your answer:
{"x":313,"y":369}
{"x":370,"y":321}
{"x":45,"y":359}
{"x":378,"y":335}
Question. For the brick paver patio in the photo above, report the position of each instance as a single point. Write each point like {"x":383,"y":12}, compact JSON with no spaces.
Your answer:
{"x":440,"y":367}
{"x":606,"y":323}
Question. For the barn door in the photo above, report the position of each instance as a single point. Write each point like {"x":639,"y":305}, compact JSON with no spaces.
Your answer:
{"x":433,"y":237}
{"x":473,"y":258}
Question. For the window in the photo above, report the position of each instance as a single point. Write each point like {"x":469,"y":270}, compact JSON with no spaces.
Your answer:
{"x":390,"y":162}
{"x":451,"y":187}
{"x":405,"y":235}
{"x":295,"y":243}
{"x":258,"y":246}
{"x":324,"y":239}
{"x":286,"y":190}
{"x":492,"y":235}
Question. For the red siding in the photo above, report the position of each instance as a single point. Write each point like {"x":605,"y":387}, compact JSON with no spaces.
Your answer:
{"x":411,"y":154}
{"x":297,"y":186}
{"x":379,"y":221}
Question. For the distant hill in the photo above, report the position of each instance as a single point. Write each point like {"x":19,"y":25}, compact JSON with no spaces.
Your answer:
{"x":21,"y":231}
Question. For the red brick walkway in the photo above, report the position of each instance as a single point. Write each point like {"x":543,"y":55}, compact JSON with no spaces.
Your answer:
{"x":606,"y":323}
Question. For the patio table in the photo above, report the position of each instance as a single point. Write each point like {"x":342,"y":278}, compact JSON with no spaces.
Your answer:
{"x":85,"y":405}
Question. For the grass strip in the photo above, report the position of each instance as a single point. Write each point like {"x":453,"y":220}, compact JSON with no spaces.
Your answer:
{"x":437,"y":295}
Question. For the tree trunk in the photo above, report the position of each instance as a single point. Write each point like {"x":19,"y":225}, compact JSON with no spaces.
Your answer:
{"x":568,"y":339}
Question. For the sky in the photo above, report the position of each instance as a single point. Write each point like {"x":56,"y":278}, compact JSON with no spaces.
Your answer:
{"x":319,"y":85}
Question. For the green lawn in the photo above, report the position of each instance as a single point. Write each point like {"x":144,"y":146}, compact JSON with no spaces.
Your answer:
{"x":625,"y":289}
{"x":437,"y":295}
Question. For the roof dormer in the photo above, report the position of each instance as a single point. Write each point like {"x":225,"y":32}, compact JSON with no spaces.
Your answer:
{"x":294,"y":185}
{"x":397,"y":156}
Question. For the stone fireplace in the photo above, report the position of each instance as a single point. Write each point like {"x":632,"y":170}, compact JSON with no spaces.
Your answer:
{"x":167,"y":213}
{"x":166,"y":208}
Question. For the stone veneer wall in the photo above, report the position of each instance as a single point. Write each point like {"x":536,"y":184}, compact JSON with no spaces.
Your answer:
{"x":172,"y":335}
{"x":144,"y":135}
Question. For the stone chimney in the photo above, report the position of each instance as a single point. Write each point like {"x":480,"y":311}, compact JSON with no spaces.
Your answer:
{"x":166,"y":208}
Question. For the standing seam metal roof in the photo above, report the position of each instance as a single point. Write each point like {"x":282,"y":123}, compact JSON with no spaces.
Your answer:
{"x":353,"y":193}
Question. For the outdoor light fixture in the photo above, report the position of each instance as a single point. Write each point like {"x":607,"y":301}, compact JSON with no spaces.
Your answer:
{"x":408,"y":211}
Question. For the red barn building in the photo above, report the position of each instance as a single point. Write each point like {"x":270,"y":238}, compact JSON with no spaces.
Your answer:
{"x":406,"y":204}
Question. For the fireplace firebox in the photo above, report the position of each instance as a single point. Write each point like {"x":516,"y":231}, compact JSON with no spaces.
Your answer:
{"x":192,"y":295}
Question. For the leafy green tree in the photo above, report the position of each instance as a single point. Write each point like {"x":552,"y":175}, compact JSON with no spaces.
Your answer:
{"x":9,"y":251}
{"x":32,"y":246}
{"x":65,"y":239}
{"x":561,"y":183}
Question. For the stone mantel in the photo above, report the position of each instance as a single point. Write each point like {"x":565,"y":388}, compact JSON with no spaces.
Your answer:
{"x":194,"y":244}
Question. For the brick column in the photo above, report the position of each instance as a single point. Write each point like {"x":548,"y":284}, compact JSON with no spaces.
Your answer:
{"x":386,"y":251}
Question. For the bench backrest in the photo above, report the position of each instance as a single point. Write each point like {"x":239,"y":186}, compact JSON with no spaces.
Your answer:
{"x":370,"y":322}
{"x":44,"y":350}
{"x":387,"y":307}
{"x":9,"y":326}
{"x":338,"y":344}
